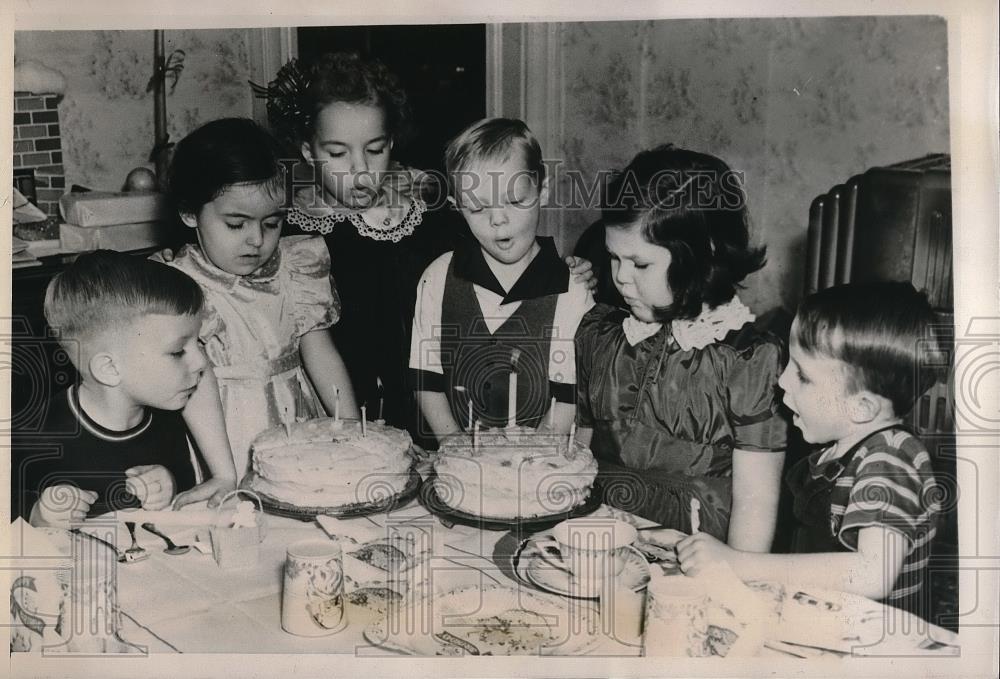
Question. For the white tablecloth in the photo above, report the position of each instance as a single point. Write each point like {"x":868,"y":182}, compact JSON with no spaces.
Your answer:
{"x":188,"y":604}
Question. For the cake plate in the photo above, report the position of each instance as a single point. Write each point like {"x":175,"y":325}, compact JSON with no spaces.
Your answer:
{"x":524,"y":525}
{"x":279,"y":508}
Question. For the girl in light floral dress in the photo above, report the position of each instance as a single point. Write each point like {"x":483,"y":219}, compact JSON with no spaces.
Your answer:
{"x":269,"y":300}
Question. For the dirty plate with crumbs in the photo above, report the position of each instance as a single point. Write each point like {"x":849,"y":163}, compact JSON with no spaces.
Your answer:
{"x":491,"y":620}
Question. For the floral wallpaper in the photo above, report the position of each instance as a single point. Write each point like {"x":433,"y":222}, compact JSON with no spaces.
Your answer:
{"x":798,"y":105}
{"x":106,"y":114}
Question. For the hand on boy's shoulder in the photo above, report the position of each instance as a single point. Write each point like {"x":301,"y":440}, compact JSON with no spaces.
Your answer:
{"x":582,"y":272}
{"x":163,"y":256}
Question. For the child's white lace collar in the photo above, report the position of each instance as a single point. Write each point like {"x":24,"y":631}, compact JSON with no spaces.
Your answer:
{"x":711,"y":325}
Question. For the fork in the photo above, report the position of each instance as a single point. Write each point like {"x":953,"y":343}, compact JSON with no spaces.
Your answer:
{"x":135,"y":552}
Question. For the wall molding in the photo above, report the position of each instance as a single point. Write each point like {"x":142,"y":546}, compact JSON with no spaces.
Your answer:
{"x":525,"y":78}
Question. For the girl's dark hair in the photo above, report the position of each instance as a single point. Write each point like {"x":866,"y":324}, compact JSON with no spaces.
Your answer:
{"x":882,"y":331}
{"x":346,"y":77}
{"x":219,"y":154}
{"x":693,"y":205}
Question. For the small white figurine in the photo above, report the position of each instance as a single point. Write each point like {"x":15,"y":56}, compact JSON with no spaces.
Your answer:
{"x":245,"y":516}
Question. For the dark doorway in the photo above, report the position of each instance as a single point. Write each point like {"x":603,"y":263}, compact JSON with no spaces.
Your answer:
{"x":443,"y":69}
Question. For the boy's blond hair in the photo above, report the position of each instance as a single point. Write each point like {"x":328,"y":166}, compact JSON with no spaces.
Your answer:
{"x":103,"y":291}
{"x":493,"y":139}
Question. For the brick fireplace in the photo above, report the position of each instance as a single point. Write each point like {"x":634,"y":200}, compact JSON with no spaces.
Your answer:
{"x":38,"y":147}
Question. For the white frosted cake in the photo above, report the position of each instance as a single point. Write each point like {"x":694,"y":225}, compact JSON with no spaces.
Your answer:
{"x":513,"y":473}
{"x":329,"y":463}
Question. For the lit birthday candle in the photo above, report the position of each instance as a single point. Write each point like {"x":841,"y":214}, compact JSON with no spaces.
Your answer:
{"x":336,"y":404}
{"x":364,"y":420}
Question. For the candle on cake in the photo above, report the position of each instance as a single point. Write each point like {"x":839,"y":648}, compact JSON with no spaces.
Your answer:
{"x":512,"y":389}
{"x":464,"y":393}
{"x":381,"y":400}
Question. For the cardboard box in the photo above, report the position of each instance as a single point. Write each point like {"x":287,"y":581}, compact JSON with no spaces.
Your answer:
{"x":121,"y":237}
{"x":103,"y":208}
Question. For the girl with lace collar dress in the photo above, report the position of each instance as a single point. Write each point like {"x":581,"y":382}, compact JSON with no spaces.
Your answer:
{"x":383,"y":223}
{"x":677,"y":394}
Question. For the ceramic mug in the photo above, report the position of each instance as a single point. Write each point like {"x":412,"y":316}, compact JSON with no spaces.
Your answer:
{"x":312,"y":600}
{"x":675,"y":624}
{"x":591,"y":551}
{"x":66,"y":602}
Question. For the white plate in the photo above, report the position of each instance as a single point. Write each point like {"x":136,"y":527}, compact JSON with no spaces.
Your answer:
{"x":539,"y":572}
{"x":489,"y":620}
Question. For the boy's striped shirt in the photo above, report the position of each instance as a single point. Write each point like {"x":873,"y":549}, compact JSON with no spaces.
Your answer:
{"x":889,"y":482}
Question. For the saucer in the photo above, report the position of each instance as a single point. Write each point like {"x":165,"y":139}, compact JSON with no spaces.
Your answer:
{"x":542,"y":574}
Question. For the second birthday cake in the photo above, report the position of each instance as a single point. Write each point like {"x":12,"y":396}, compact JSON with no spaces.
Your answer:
{"x":513,"y":473}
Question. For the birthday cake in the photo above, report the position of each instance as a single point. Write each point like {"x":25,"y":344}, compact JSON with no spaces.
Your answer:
{"x":330,"y":463}
{"x":513,"y":473}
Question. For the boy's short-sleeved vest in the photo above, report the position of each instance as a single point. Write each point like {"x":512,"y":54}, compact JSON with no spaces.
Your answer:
{"x":464,"y":353}
{"x":481,"y":362}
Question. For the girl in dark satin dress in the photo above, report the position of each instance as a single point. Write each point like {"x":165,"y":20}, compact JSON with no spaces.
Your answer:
{"x":677,"y":394}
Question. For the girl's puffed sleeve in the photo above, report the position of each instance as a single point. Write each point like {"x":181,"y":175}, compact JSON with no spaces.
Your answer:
{"x":586,"y":340}
{"x":212,"y":324}
{"x":312,"y":290}
{"x":752,"y":384}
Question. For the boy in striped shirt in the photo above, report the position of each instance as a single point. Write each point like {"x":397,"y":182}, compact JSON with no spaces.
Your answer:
{"x":865,"y":502}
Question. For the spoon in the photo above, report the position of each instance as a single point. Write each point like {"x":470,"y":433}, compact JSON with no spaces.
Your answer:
{"x":171,"y":547}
